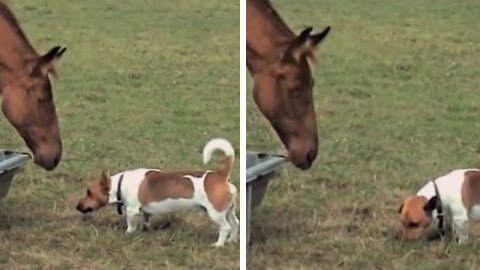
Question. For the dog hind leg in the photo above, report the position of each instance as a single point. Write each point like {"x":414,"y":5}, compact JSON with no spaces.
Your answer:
{"x":234,"y":223}
{"x":146,"y":221}
{"x":224,"y":227}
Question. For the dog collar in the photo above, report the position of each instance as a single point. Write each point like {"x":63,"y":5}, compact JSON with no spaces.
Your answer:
{"x":438,"y":207}
{"x":119,"y":196}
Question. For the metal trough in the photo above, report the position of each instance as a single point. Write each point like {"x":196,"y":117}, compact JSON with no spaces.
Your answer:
{"x":260,"y":169}
{"x":10,"y":164}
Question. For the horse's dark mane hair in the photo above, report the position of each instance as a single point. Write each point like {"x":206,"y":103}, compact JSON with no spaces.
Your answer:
{"x":267,"y":5}
{"x":7,"y":14}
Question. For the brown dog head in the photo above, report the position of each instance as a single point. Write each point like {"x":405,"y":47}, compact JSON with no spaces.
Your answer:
{"x":416,"y":216}
{"x":96,"y":196}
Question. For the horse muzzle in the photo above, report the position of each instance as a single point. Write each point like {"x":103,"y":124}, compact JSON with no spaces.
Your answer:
{"x":301,"y":155}
{"x":49,"y":158}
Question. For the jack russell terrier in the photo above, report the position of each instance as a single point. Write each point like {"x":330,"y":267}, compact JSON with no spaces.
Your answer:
{"x":150,"y":191}
{"x":455,"y":195}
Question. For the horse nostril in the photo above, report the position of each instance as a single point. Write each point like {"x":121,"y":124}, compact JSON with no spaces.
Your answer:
{"x":305,"y":166}
{"x":56,"y":160}
{"x":311,"y":156}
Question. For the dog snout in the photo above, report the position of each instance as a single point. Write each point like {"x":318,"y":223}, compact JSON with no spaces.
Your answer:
{"x":408,"y":235}
{"x":80,"y":207}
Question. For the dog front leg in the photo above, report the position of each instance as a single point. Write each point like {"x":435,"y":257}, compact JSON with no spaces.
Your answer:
{"x":461,"y":230}
{"x":132,"y":220}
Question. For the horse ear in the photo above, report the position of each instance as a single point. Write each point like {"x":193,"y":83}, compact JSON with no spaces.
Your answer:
{"x":304,"y":45}
{"x":317,"y":38}
{"x":46,"y":63}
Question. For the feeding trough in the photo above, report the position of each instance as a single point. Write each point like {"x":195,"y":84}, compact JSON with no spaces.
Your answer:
{"x":10,"y":164}
{"x":261,"y":168}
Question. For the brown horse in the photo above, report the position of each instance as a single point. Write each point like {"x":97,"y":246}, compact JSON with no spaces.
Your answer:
{"x":26,"y":90}
{"x":278,"y":62}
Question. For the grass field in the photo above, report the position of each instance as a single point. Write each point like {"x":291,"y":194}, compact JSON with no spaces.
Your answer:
{"x":141,"y":85}
{"x":397,"y":100}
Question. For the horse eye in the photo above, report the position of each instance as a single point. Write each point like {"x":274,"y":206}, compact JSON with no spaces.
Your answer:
{"x":295,"y":92}
{"x":30,"y":90}
{"x":89,"y":193}
{"x":42,"y":99}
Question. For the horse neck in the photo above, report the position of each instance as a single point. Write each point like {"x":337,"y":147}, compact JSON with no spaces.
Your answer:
{"x":15,"y":50}
{"x":267,"y":33}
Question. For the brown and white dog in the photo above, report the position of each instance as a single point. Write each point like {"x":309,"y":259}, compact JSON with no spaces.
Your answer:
{"x":454,"y":197}
{"x":150,"y":191}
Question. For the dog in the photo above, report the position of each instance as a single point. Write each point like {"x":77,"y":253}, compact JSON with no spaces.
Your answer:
{"x":143,"y":192}
{"x":454,"y":197}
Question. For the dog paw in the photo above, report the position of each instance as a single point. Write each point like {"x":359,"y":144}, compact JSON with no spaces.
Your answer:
{"x":129,"y":231}
{"x":218,"y":245}
{"x":232,"y":240}
{"x":461,"y":241}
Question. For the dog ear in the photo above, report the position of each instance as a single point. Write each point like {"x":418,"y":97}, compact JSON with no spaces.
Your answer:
{"x":105,"y":181}
{"x":400,"y":209}
{"x":431,"y":204}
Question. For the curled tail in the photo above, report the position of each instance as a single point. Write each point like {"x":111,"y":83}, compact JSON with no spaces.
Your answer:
{"x":225,"y":166}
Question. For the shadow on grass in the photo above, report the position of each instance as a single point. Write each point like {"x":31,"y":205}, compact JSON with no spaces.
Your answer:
{"x":10,"y":219}
{"x":119,"y":222}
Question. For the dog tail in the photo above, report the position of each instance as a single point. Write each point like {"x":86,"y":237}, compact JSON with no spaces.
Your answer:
{"x":226,"y":164}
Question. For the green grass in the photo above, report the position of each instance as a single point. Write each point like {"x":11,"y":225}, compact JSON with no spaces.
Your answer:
{"x":141,"y":85}
{"x":397,"y":100}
